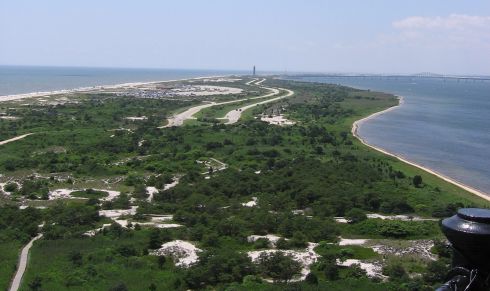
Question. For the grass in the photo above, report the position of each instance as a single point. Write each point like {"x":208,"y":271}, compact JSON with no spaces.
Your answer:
{"x":101,"y":268}
{"x":9,"y":257}
{"x":350,"y":252}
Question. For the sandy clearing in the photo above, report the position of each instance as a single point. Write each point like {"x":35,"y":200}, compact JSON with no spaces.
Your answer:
{"x":277,"y":120}
{"x":22,"y":265}
{"x":234,"y":115}
{"x":341,"y":219}
{"x":15,"y":138}
{"x":372,"y":269}
{"x":251,"y":203}
{"x":184,"y":253}
{"x":136,"y":118}
{"x":419,"y":248}
{"x":399,"y":217}
{"x":151,"y":193}
{"x":306,"y":258}
{"x":153,"y":190}
{"x":62,"y":194}
{"x":66,"y":194}
{"x":116,"y":213}
{"x":352,"y":242}
{"x":355,"y":132}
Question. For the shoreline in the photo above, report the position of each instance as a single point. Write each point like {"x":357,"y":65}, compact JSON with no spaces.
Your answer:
{"x":355,"y":128}
{"x":19,"y":96}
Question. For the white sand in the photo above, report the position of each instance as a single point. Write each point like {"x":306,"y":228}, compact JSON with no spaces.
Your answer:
{"x":234,"y":115}
{"x":171,"y":185}
{"x":251,"y":203}
{"x":161,"y":218}
{"x":355,"y":132}
{"x":352,"y":242}
{"x":14,"y":138}
{"x":93,"y":88}
{"x":184,"y":253}
{"x":340,"y":219}
{"x":66,"y":194}
{"x":277,"y":120}
{"x":111,"y":194}
{"x":372,"y":269}
{"x":116,"y":213}
{"x":306,"y":258}
{"x":151,"y":192}
{"x":399,"y":217}
{"x":416,"y":248}
{"x":61,"y":194}
{"x":136,"y":118}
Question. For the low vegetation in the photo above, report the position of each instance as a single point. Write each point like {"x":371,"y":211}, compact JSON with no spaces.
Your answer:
{"x":288,"y":181}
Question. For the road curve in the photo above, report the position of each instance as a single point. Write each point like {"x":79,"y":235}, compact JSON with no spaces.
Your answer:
{"x":22,"y":266}
{"x":179,"y":119}
{"x":234,"y":115}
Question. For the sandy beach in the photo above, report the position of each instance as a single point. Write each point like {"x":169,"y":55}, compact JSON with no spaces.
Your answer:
{"x":355,"y":128}
{"x":92,"y":88}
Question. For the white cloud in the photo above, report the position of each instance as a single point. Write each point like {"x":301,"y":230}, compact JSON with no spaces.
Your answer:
{"x":452,"y":31}
{"x":453,"y":21}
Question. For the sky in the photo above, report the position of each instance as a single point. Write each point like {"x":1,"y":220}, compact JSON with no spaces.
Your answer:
{"x":344,"y":36}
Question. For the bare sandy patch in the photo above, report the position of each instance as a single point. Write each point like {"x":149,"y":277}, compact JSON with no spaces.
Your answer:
{"x":306,"y":258}
{"x":277,"y":120}
{"x":184,"y":253}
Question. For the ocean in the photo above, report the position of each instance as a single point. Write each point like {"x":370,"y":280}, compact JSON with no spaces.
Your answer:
{"x":30,"y":79}
{"x":443,"y":124}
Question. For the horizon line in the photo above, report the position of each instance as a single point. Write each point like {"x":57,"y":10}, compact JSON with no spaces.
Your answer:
{"x":268,"y":71}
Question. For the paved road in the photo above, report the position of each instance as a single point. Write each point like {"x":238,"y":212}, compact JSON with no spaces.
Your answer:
{"x":234,"y":115}
{"x":179,"y":119}
{"x":22,"y":264}
{"x":14,"y":139}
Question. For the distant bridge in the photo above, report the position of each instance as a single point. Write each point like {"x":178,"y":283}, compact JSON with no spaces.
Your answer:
{"x":391,"y":76}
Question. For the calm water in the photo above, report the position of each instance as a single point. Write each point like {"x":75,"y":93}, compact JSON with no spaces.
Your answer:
{"x":20,"y":79}
{"x":444,"y":125}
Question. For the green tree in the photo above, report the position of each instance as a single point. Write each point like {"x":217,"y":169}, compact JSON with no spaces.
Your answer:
{"x":417,"y":181}
{"x":35,"y":284}
{"x":278,"y":266}
{"x":355,"y":215}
